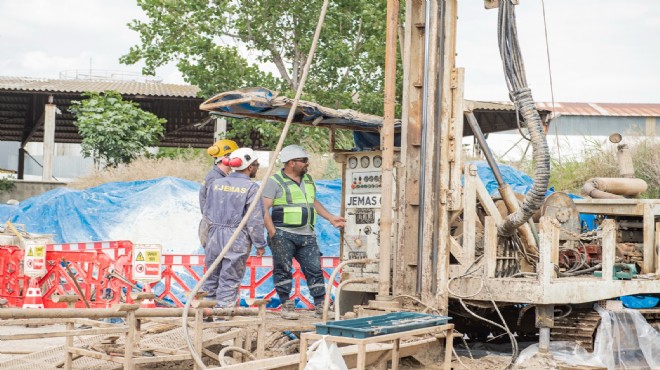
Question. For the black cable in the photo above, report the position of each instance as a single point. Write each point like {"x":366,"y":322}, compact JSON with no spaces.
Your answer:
{"x":521,"y":96}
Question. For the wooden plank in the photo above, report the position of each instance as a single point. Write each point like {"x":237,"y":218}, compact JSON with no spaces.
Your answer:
{"x":609,"y":248}
{"x":487,"y":202}
{"x":490,"y":246}
{"x":456,"y":139}
{"x":649,"y":240}
{"x":656,"y":248}
{"x":545,"y":267}
{"x":448,"y":63}
{"x":469,"y":214}
{"x":449,"y":346}
{"x":68,"y":343}
{"x":456,"y":250}
{"x":395,"y":354}
{"x":408,"y":173}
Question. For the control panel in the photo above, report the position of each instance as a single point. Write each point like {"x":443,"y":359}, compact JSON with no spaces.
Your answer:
{"x":362,"y":194}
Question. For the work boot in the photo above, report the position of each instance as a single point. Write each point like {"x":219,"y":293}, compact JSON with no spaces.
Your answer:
{"x":289,"y":311}
{"x":318,"y":310}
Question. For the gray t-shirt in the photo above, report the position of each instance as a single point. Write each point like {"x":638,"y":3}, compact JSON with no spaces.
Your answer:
{"x":273,"y":190}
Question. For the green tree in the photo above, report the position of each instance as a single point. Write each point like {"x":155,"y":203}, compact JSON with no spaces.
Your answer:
{"x":114,"y":131}
{"x":204,"y":37}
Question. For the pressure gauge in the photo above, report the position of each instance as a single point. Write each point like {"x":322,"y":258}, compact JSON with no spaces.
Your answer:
{"x":378,"y":161}
{"x":364,"y":162}
{"x":352,"y":162}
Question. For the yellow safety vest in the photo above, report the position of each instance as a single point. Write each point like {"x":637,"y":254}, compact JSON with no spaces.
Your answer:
{"x":293,"y":208}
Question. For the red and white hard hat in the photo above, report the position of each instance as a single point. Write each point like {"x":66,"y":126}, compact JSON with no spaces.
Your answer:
{"x":241,"y":158}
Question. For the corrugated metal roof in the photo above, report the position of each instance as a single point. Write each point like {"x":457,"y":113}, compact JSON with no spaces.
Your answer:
{"x":603,"y":109}
{"x":78,"y":86}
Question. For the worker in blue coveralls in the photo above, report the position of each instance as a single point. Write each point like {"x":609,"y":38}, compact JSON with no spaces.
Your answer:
{"x":292,"y":195}
{"x":221,"y":149}
{"x":227,"y":200}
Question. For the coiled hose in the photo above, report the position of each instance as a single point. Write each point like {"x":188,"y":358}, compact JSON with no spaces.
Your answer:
{"x":521,"y":96}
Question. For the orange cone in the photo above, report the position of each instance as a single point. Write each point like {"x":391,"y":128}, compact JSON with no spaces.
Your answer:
{"x":147,"y":303}
{"x":33,"y":298}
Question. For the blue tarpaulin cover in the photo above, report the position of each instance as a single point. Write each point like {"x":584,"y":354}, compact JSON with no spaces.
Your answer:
{"x":166,"y":211}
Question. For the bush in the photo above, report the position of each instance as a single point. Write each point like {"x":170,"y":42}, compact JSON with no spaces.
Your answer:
{"x":570,"y":175}
{"x":7,"y":184}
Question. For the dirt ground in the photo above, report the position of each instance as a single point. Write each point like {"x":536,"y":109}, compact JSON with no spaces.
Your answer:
{"x":487,"y":356}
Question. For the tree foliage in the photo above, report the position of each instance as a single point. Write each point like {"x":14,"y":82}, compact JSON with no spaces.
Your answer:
{"x":224,"y":45}
{"x":114,"y":131}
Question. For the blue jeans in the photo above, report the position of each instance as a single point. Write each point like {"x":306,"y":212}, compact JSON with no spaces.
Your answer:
{"x":285,"y":246}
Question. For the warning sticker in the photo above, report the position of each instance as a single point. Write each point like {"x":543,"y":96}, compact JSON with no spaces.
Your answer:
{"x":34,"y":261}
{"x":146,"y":262}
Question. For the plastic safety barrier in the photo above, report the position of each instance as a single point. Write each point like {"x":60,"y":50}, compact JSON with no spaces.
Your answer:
{"x":100,"y":273}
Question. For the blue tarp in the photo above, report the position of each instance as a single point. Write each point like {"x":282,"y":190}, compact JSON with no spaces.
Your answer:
{"x":165,"y":211}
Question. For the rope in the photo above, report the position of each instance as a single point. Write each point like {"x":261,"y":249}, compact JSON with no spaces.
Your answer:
{"x":196,"y":357}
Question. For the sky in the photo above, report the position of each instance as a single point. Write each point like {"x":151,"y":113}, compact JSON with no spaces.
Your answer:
{"x":600,"y":50}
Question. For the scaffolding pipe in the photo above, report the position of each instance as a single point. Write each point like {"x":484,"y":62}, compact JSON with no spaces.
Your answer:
{"x":102,"y":313}
{"x":422,"y":156}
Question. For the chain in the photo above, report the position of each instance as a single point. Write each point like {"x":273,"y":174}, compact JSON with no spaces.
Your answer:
{"x":589,"y":235}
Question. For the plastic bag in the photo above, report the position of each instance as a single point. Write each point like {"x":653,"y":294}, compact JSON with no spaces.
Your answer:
{"x":326,"y":356}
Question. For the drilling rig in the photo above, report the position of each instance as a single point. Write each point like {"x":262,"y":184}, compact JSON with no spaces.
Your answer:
{"x":433,"y":235}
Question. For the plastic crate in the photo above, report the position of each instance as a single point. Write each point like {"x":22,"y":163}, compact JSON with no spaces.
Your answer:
{"x":394,"y":322}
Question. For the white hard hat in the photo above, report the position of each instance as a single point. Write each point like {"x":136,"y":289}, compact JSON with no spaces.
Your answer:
{"x":292,"y":152}
{"x":241,"y":158}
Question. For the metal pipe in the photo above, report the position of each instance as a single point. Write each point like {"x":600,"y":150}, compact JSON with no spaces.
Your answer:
{"x":438,"y":140}
{"x":341,"y":285}
{"x":102,"y":313}
{"x":505,"y":190}
{"x":481,"y":140}
{"x":333,"y":275}
{"x":422,"y":159}
{"x":385,"y":250}
{"x":544,"y":340}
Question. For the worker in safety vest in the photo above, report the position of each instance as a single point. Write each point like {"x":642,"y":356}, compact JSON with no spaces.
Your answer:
{"x":227,"y":201}
{"x":292,"y":195}
{"x":219,"y":150}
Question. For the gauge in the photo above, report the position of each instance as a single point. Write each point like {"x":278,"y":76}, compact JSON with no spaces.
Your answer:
{"x":352,"y":162}
{"x":364,"y":162}
{"x":378,"y":161}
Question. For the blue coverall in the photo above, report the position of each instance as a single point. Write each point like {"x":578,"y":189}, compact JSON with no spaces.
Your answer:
{"x":227,"y":200}
{"x":214,"y":174}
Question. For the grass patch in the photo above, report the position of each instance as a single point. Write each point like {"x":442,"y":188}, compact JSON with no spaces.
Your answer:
{"x":570,"y":175}
{"x":187,"y":164}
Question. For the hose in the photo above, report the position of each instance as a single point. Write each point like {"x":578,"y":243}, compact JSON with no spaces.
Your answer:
{"x":184,"y":318}
{"x":331,"y":280}
{"x":521,"y":96}
{"x":223,"y":352}
{"x":339,"y":288}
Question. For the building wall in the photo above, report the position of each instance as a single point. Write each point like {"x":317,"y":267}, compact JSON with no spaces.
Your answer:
{"x":26,"y":189}
{"x":604,"y":126}
{"x":570,"y":137}
{"x":68,"y":163}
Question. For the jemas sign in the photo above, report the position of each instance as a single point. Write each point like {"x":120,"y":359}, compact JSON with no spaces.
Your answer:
{"x":146,"y":262}
{"x":363,"y":201}
{"x":34,"y":261}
